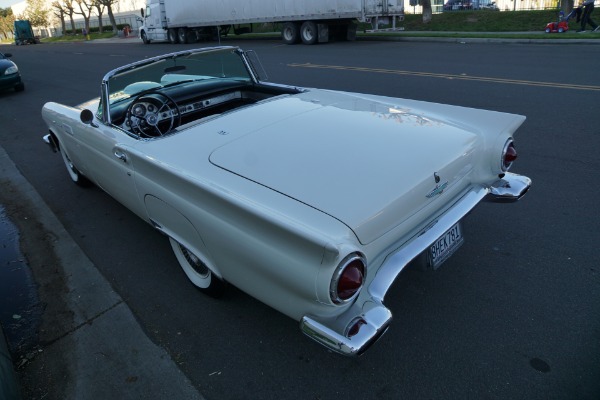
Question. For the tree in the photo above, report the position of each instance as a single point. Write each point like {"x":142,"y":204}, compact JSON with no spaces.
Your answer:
{"x":69,"y":9}
{"x":99,"y":10}
{"x":566,"y":6}
{"x":108,"y":4}
{"x":60,"y":12}
{"x":7,"y":20}
{"x":427,"y":14}
{"x":85,"y":10}
{"x":36,"y":13}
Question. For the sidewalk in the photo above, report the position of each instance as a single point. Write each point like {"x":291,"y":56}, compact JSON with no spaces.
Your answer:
{"x":93,"y":347}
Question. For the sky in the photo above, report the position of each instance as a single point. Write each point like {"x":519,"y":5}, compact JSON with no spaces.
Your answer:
{"x":8,"y":3}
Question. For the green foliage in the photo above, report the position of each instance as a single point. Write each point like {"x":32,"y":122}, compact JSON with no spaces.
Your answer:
{"x":5,"y":12}
{"x":7,"y":20}
{"x":78,"y":37}
{"x":94,"y":29}
{"x":37,"y":13}
{"x":483,"y":21}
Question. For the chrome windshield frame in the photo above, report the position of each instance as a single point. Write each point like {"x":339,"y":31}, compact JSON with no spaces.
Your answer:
{"x":105,"y":86}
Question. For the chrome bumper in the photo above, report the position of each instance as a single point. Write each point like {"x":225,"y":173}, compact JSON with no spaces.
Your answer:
{"x":375,"y":317}
{"x":511,"y":187}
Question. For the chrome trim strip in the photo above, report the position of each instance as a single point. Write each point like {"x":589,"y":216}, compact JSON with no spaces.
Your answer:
{"x":104,"y":95}
{"x":394,"y":264}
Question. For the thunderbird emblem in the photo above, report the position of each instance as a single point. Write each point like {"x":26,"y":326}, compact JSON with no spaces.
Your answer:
{"x":439,"y":189}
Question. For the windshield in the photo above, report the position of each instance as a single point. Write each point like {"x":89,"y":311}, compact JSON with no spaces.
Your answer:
{"x":176,"y":69}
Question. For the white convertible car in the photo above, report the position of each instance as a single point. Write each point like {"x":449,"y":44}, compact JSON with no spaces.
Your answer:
{"x":312,"y":201}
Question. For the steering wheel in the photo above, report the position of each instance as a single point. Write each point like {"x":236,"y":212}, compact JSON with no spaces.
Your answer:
{"x":159,"y":117}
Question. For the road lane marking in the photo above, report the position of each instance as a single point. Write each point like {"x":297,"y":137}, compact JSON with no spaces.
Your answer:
{"x":449,"y":76}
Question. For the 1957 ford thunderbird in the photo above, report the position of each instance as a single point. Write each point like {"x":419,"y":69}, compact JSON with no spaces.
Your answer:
{"x":326,"y":195}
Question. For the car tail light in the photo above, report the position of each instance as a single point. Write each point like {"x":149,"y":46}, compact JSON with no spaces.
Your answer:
{"x":509,"y":155}
{"x":354,"y":327}
{"x":348,"y":279}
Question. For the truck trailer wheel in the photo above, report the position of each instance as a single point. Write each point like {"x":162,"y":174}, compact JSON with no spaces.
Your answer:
{"x":182,"y":35}
{"x":309,"y":33}
{"x":290,"y":33}
{"x":173,"y":37}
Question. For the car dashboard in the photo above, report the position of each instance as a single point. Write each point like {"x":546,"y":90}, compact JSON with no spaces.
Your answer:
{"x":162,"y":111}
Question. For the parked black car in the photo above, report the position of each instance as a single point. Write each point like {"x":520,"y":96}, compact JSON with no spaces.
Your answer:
{"x":10,"y":78}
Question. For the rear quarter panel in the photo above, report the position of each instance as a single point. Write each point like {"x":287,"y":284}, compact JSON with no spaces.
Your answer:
{"x":276,"y":249}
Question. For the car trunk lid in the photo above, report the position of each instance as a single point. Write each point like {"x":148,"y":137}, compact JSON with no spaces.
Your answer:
{"x":371,"y":165}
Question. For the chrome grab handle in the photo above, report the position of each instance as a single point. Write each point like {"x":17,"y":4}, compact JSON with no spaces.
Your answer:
{"x":120,"y":155}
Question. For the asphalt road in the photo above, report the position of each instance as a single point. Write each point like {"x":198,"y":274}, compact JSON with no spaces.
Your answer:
{"x":514,"y":314}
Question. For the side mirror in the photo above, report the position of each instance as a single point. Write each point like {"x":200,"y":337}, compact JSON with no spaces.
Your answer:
{"x":142,"y":12}
{"x":87,"y":117}
{"x":7,"y":55}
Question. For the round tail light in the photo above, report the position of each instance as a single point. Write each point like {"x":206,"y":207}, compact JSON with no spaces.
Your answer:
{"x":509,"y":155}
{"x":348,"y":279}
{"x":354,"y":327}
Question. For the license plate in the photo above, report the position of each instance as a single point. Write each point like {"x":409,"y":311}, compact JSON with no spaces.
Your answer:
{"x":445,"y":246}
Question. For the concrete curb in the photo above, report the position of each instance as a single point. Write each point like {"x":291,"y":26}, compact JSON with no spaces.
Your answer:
{"x":482,"y":39}
{"x":100,"y":351}
{"x":9,"y":387}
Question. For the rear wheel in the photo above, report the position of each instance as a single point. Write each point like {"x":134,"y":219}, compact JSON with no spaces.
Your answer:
{"x":309,"y":33}
{"x":290,"y":33}
{"x":197,"y":271}
{"x":182,"y":35}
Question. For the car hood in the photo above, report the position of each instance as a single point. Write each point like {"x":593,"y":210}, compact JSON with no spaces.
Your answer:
{"x":370,"y":162}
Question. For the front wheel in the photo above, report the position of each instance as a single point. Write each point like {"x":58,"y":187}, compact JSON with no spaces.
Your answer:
{"x":197,"y":271}
{"x":76,"y":176}
{"x":145,"y":38}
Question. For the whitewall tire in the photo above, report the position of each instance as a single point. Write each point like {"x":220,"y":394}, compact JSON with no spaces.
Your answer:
{"x":197,"y":271}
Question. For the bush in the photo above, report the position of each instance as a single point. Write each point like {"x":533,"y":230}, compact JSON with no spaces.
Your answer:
{"x":95,"y":29}
{"x":482,"y":21}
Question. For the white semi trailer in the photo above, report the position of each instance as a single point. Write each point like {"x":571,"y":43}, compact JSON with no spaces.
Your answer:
{"x":306,"y":21}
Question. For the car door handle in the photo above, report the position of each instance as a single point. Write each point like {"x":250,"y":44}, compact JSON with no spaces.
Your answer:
{"x":121,"y":155}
